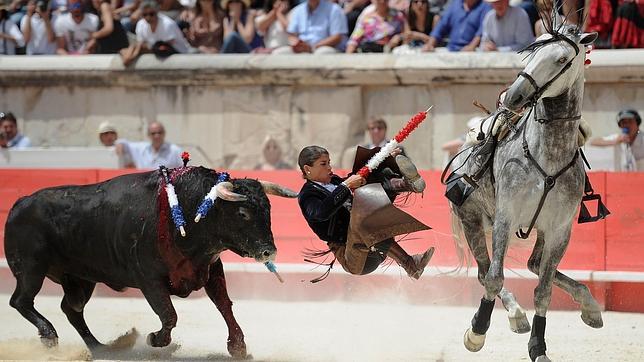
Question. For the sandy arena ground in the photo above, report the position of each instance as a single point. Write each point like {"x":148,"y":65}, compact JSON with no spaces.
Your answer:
{"x":335,"y":331}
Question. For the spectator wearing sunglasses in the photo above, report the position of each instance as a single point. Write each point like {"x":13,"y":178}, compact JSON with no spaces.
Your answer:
{"x":419,"y":25}
{"x":13,"y":138}
{"x":157,"y":152}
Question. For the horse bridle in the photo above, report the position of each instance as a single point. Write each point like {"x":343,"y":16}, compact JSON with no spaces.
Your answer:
{"x":540,"y":90}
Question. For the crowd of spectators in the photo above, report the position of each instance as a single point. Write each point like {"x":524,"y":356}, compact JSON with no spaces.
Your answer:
{"x":166,"y":27}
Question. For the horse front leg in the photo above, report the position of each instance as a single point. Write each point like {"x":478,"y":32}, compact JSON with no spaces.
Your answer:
{"x":554,"y":247}
{"x":216,"y":290}
{"x":590,"y":309}
{"x":474,"y":338}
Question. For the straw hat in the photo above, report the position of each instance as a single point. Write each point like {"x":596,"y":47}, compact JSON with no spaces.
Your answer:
{"x":224,"y":3}
{"x":105,"y":127}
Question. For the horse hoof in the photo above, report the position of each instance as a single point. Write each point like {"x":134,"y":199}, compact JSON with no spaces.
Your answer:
{"x":237,"y":349}
{"x":519,"y":322}
{"x":155,"y":339}
{"x":542,"y":358}
{"x":473,"y":342}
{"x":592,"y":318}
{"x":49,"y":342}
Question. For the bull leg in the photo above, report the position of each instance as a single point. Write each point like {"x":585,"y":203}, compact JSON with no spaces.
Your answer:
{"x":216,"y":290}
{"x":77,"y":294}
{"x":590,"y":309}
{"x":157,"y":295}
{"x":28,"y":283}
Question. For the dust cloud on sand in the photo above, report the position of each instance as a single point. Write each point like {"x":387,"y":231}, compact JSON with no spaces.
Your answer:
{"x":390,"y":330}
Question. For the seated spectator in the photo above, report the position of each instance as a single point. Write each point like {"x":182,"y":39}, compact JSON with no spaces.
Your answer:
{"x":10,"y":35}
{"x":273,"y":23}
{"x":462,"y":22}
{"x":9,"y":126}
{"x":420,"y":23}
{"x":38,"y":30}
{"x":629,"y":144}
{"x":316,"y":26}
{"x":206,"y":31}
{"x":272,"y":154}
{"x":74,"y":30}
{"x":376,"y":30}
{"x":155,"y":153}
{"x":546,"y":22}
{"x":110,"y":37}
{"x":352,"y":10}
{"x":505,"y":28}
{"x":239,"y":27}
{"x":155,"y":33}
{"x":628,"y":30}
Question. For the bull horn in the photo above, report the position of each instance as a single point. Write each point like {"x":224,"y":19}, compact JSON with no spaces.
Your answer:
{"x":225,"y":191}
{"x":271,"y":188}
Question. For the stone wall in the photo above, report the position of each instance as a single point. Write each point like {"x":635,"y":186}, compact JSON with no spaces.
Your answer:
{"x":226,"y":105}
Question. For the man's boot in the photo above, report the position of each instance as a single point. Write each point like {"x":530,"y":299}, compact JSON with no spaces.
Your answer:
{"x":413,"y":265}
{"x":410,"y":174}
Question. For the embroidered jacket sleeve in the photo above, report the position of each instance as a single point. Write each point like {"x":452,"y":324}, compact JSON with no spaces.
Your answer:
{"x":318,"y":209}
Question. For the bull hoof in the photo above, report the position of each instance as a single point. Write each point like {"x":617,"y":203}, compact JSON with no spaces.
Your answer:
{"x":157,"y":339}
{"x":592,"y":318}
{"x":518,"y":321}
{"x":542,"y":358}
{"x":473,"y":342}
{"x":237,"y":349}
{"x":49,"y":342}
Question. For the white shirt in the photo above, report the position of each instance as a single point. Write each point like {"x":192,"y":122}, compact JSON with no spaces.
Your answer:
{"x":628,"y":157}
{"x":19,"y":141}
{"x":144,"y":156}
{"x":167,"y":30}
{"x":76,"y":35}
{"x":8,"y":47}
{"x":39,"y":44}
{"x":275,"y":36}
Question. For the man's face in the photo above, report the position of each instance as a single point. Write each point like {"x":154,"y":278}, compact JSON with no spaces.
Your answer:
{"x":501,"y":7}
{"x":150,"y":15}
{"x":156,"y":134}
{"x":377,"y":133}
{"x":9,"y":129}
{"x":108,"y":138}
{"x":76,"y":9}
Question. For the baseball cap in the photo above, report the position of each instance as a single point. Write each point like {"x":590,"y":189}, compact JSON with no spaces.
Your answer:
{"x":105,"y":127}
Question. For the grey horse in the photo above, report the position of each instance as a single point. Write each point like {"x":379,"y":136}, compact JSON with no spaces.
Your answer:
{"x":535,"y":179}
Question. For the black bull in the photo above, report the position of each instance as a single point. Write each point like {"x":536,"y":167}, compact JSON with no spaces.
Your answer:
{"x":119,"y":232}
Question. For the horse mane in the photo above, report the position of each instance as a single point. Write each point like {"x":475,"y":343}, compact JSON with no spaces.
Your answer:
{"x":552,"y":27}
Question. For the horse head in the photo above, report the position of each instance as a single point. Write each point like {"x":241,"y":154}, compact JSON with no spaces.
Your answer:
{"x":555,"y":63}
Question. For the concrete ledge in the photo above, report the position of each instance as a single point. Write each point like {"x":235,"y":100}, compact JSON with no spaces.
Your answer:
{"x":624,"y":66}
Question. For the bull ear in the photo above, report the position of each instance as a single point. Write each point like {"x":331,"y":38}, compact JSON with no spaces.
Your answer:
{"x":225,"y":191}
{"x":277,"y":190}
{"x":588,"y":38}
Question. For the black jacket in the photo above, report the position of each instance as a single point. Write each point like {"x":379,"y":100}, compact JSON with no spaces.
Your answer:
{"x":324,"y":210}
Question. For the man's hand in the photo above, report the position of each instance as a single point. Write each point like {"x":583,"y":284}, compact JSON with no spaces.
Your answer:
{"x":468,"y":48}
{"x":489,"y":46}
{"x":302,"y":47}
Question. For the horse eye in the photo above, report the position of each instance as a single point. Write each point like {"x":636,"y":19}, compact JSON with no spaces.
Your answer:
{"x":563,"y":60}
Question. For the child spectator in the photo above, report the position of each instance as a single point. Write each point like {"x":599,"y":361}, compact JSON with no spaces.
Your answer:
{"x":239,"y":27}
{"x":10,"y":35}
{"x":74,"y":30}
{"x":111,"y":37}
{"x":38,"y":30}
{"x":505,"y":28}
{"x":206,"y":31}
{"x":273,"y":23}
{"x":420,"y":23}
{"x":316,"y":26}
{"x":462,"y":23}
{"x":377,"y":29}
{"x":9,"y":126}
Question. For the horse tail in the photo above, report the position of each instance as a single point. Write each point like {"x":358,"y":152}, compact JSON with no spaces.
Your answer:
{"x":460,"y":242}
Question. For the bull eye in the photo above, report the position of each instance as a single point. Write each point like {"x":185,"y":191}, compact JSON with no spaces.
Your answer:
{"x":244,"y":214}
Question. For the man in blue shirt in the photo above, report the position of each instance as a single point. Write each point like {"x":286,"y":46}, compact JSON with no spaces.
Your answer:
{"x":316,"y":26}
{"x":506,"y":28}
{"x":462,"y":22}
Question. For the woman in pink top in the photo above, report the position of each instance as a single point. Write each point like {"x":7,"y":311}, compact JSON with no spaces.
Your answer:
{"x":374,"y":30}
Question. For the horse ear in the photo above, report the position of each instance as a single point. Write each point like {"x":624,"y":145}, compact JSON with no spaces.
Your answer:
{"x":588,"y":38}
